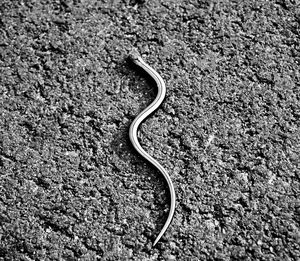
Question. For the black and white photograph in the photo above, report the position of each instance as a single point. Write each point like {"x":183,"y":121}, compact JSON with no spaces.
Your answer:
{"x":149,"y":130}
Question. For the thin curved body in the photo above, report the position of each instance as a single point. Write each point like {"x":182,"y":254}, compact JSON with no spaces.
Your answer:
{"x":134,"y":140}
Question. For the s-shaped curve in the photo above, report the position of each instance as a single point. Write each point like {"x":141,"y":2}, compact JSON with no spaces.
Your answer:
{"x":134,"y":140}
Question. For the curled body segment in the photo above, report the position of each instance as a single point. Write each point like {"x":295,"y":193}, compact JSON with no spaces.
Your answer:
{"x":134,"y":140}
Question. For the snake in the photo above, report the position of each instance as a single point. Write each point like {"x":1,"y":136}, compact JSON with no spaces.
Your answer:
{"x":136,"y":59}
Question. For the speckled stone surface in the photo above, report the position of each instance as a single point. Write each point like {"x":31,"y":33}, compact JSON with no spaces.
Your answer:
{"x":71,"y":185}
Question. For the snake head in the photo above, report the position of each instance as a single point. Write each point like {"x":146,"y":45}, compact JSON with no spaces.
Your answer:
{"x":134,"y":56}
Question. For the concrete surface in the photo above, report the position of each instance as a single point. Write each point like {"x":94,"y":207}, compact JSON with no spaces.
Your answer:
{"x":72,"y":187}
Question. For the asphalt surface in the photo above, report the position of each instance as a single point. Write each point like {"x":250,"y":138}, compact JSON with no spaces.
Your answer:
{"x":71,"y":185}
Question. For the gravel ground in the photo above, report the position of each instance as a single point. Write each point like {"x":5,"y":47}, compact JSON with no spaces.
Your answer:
{"x":71,"y":185}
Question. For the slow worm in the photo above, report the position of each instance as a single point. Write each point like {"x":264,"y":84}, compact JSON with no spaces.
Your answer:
{"x":134,"y":140}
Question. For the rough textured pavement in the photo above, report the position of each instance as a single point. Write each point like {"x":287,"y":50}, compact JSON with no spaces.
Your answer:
{"x":72,"y":187}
